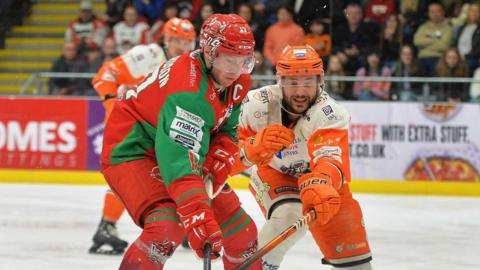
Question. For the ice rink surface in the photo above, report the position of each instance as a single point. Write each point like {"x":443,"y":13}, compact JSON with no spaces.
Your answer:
{"x":50,"y":227}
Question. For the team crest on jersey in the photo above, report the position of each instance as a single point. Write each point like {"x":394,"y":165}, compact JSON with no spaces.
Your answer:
{"x":327,"y":110}
{"x":194,"y":160}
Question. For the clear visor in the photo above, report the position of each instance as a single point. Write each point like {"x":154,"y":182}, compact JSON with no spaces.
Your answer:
{"x":181,"y":43}
{"x":234,"y":63}
{"x":303,"y":82}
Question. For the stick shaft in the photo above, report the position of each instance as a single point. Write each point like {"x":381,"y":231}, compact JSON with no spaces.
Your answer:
{"x":304,"y":221}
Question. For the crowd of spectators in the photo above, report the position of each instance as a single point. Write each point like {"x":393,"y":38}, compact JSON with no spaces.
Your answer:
{"x":385,"y":38}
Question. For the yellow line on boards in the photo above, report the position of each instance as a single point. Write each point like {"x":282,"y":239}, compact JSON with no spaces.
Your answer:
{"x":241,"y":182}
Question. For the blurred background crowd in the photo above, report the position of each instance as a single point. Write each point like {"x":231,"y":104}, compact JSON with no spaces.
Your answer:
{"x":369,"y":38}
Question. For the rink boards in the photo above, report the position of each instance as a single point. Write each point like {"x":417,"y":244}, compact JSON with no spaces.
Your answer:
{"x":241,"y":182}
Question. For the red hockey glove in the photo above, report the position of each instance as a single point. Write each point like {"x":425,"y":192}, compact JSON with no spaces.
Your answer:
{"x":196,"y":215}
{"x":261,"y":148}
{"x":317,"y":192}
{"x":218,"y":164}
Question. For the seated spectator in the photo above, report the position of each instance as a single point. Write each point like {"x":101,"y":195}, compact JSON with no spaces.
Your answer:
{"x":108,"y":52}
{"x":433,"y":38}
{"x":363,"y":89}
{"x":70,"y":61}
{"x":131,"y":31}
{"x":336,"y":89}
{"x":412,"y":15}
{"x":390,"y":39}
{"x":171,"y":10}
{"x":406,"y":67}
{"x":468,"y":37}
{"x":205,"y":11}
{"x":354,"y":38}
{"x":318,"y":38}
{"x":379,"y":10}
{"x":282,"y":33}
{"x":150,"y":9}
{"x":258,"y":26}
{"x":188,"y":9}
{"x":261,"y":68}
{"x":115,"y":9}
{"x":451,"y":64}
{"x":87,"y":31}
{"x":475,"y":87}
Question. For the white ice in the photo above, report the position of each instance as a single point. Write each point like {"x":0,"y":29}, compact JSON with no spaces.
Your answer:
{"x":50,"y":227}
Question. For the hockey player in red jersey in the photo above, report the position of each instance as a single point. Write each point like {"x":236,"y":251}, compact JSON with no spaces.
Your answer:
{"x":128,"y":70}
{"x":174,"y":128}
{"x":294,"y":136}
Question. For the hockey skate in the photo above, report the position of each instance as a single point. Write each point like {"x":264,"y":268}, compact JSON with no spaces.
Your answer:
{"x":106,"y":241}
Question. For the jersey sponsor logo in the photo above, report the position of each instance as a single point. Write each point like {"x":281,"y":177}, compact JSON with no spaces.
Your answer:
{"x":187,"y":128}
{"x":334,"y":152}
{"x":185,"y":141}
{"x":260,"y":114}
{"x":189,"y":116}
{"x":327,"y":110}
{"x":263,"y":95}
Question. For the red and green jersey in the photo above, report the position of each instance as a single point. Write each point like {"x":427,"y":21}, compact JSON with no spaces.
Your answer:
{"x":171,"y":117}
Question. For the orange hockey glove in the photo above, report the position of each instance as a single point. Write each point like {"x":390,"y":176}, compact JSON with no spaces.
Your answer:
{"x":259,"y":149}
{"x":317,"y":192}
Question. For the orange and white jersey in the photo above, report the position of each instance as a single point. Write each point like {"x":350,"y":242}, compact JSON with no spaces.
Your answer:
{"x":321,"y":134}
{"x":128,"y":69}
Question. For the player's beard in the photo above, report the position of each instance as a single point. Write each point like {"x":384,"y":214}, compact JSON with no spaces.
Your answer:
{"x":299,"y":104}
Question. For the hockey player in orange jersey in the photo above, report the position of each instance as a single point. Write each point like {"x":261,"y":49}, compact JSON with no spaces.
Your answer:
{"x":294,"y":137}
{"x":120,"y":73}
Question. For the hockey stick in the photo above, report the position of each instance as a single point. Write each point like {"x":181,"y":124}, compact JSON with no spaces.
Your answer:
{"x":305,"y":220}
{"x":207,"y":260}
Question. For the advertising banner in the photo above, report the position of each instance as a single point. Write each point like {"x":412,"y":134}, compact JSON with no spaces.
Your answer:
{"x":414,"y":141}
{"x":42,"y":133}
{"x":96,"y":115}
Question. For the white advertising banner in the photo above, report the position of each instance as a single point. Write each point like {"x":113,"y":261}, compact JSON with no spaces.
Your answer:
{"x":415,"y":141}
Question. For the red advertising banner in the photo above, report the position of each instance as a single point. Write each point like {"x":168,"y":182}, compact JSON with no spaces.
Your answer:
{"x":43,"y":133}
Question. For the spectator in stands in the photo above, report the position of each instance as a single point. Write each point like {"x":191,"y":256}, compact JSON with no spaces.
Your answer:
{"x":87,"y":31}
{"x":108,"y":52}
{"x":390,"y":40}
{"x":407,"y":66}
{"x":379,"y":10}
{"x":336,"y":89}
{"x":70,"y":61}
{"x":352,"y":39}
{"x":282,"y":33}
{"x":205,"y":11}
{"x":475,"y":87}
{"x":318,"y":38}
{"x":451,"y":64}
{"x":411,"y":16}
{"x":433,"y":37}
{"x":363,"y":89}
{"x":224,"y":6}
{"x":308,"y":10}
{"x":258,"y":27}
{"x":150,"y":9}
{"x":171,"y":10}
{"x":115,"y":9}
{"x":261,"y":68}
{"x":468,"y":37}
{"x":188,"y":9}
{"x":131,"y":31}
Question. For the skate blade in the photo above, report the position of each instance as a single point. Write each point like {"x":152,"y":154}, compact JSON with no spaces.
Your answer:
{"x":101,"y":249}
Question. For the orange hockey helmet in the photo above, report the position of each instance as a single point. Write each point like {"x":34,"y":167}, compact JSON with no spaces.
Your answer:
{"x":299,"y":61}
{"x":179,"y":28}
